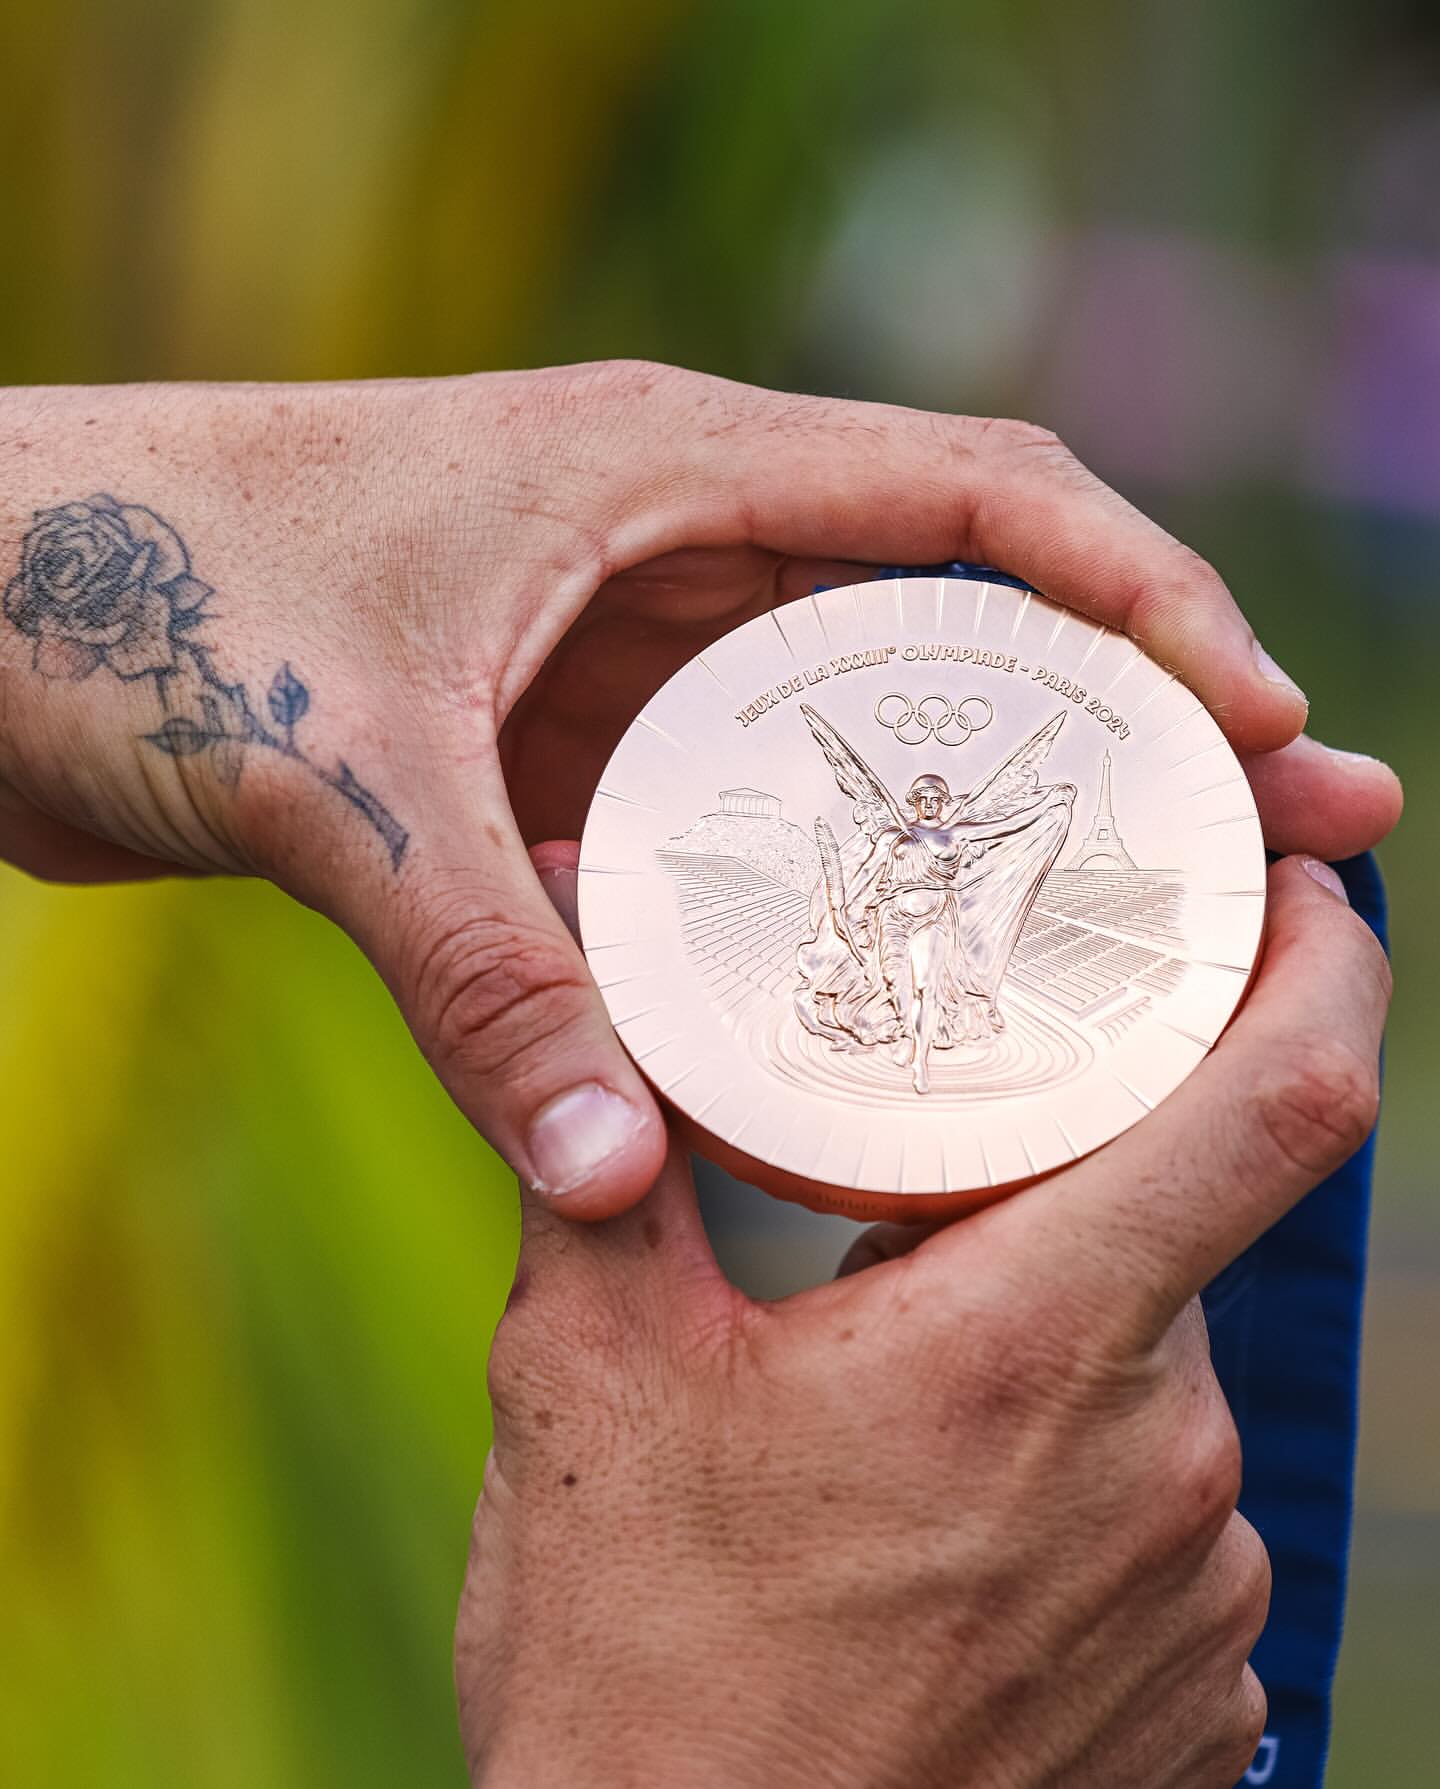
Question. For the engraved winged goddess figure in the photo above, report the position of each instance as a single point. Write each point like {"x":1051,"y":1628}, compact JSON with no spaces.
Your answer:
{"x":915,"y":918}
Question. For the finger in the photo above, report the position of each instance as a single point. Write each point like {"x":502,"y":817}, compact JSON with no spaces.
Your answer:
{"x":644,"y":1277}
{"x":1313,"y":798}
{"x":557,"y":864}
{"x":709,"y":587}
{"x":882,"y":1243}
{"x":662,"y":1244}
{"x":1288,"y":1094}
{"x":872,"y":481}
{"x":593,"y":1306}
{"x":501,"y":1002}
{"x":1326,"y":803}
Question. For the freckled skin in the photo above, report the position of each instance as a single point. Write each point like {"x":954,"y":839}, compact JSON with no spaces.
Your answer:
{"x":967,"y":1515}
{"x":475,"y":641}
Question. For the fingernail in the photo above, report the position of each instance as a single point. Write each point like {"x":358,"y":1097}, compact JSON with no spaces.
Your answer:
{"x":1325,"y":876}
{"x":575,"y":1134}
{"x":1272,"y":673}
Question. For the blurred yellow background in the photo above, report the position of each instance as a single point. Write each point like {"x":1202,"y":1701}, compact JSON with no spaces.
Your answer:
{"x":249,"y":1257}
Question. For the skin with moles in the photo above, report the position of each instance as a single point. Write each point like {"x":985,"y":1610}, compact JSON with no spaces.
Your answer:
{"x":965,"y":1516}
{"x":477,"y":583}
{"x":976,"y":1517}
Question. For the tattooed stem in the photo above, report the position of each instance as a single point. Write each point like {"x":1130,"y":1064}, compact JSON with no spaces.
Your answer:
{"x":394,"y":834}
{"x":105,"y":584}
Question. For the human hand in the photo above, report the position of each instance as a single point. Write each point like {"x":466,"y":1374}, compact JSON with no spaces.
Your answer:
{"x":966,"y":1516}
{"x":369,"y":640}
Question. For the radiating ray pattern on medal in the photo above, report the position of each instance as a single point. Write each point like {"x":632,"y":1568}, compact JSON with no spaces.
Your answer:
{"x":875,"y":965}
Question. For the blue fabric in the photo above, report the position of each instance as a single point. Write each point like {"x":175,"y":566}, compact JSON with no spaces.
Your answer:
{"x":954,"y":568}
{"x":1285,"y":1336}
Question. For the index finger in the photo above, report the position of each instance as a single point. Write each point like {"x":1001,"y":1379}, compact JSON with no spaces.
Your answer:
{"x":806,"y":475}
{"x":1288,"y":1094}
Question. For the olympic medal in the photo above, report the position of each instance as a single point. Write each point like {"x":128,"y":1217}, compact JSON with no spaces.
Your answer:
{"x":912,"y":892}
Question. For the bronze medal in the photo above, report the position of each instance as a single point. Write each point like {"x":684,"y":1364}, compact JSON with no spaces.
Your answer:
{"x":917,"y":890}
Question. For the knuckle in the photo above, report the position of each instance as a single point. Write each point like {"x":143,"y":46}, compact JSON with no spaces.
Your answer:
{"x":522,"y":1381}
{"x":1251,"y":1714}
{"x":1020,"y":453}
{"x":508,"y":1369}
{"x":1195,"y":572}
{"x":1230,"y":1731}
{"x":1319,"y":1105}
{"x":1175,"y":589}
{"x":558,"y":1359}
{"x":1012,"y":435}
{"x":1203,"y":1475}
{"x":628,"y":381}
{"x":490,"y":987}
{"x":1246,"y":1602}
{"x":1246,"y":1713}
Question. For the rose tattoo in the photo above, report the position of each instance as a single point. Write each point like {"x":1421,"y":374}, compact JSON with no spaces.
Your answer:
{"x":104,"y":583}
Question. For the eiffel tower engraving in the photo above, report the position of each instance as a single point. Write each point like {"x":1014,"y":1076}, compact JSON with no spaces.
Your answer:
{"x":1102,"y":847}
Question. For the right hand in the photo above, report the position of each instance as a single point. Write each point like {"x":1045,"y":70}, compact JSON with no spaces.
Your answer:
{"x":966,"y":1516}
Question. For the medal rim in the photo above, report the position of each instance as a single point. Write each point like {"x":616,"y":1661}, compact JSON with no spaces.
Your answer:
{"x":783,"y":1171}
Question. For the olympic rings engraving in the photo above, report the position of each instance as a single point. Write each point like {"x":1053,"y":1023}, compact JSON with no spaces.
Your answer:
{"x":933,"y":718}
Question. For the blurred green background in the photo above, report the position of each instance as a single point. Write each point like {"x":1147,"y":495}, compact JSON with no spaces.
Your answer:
{"x":249,"y":1257}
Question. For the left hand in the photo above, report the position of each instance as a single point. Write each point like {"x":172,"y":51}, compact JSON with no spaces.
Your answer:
{"x":460,"y":592}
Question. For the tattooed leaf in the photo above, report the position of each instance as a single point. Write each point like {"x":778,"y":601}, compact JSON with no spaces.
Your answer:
{"x":180,"y":737}
{"x":288,"y":698}
{"x":186,"y":593}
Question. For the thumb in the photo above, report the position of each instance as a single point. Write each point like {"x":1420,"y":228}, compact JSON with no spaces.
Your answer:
{"x":500,"y":1000}
{"x":660,"y":1249}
